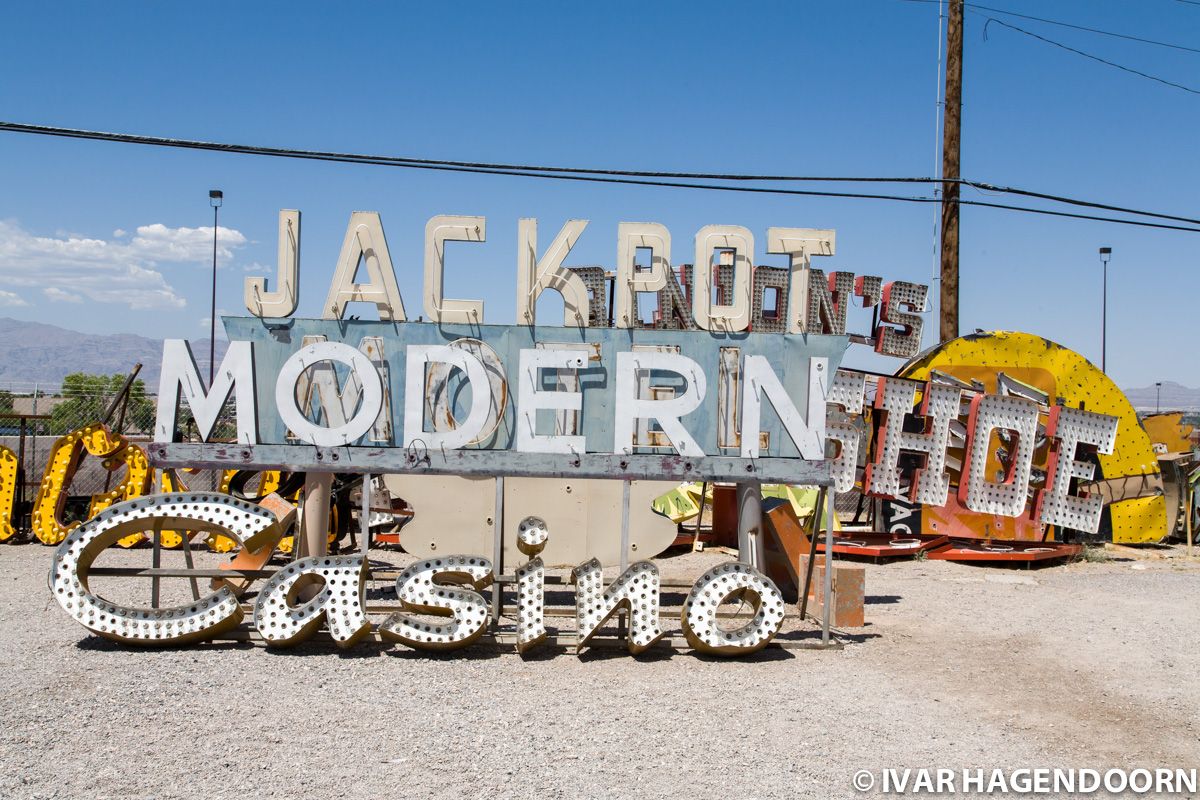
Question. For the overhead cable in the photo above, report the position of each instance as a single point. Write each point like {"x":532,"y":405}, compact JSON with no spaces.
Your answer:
{"x":623,"y":177}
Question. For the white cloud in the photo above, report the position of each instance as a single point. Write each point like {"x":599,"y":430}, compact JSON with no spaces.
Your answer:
{"x":71,"y":268}
{"x":12,"y":299}
{"x":54,"y":294}
{"x":160,"y":243}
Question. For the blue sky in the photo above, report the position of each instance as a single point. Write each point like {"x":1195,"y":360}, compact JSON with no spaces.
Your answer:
{"x":105,"y":237}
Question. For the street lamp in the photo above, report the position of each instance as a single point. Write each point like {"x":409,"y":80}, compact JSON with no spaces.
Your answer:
{"x":215,"y":198}
{"x":1157,"y":395}
{"x":1105,"y":255}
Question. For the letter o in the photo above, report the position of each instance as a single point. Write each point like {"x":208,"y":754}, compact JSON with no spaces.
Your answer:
{"x":294,"y":417}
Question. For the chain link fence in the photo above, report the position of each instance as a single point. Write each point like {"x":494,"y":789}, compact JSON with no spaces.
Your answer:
{"x":31,"y":425}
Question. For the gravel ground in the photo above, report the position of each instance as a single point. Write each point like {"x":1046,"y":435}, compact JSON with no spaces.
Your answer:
{"x":1083,"y":665}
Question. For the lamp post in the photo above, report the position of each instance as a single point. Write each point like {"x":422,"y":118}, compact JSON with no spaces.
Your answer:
{"x":1105,"y":255}
{"x":215,"y":198}
{"x":1157,"y":395}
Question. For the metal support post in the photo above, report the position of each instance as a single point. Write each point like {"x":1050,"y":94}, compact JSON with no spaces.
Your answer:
{"x":749,"y":505}
{"x":318,"y":487}
{"x":20,"y":504}
{"x":498,"y":551}
{"x":828,"y":604}
{"x":156,"y":562}
{"x":624,"y":526}
{"x":814,"y":530}
{"x":621,"y":618}
{"x":697,"y":545}
{"x":1190,"y":508}
{"x":365,"y":521}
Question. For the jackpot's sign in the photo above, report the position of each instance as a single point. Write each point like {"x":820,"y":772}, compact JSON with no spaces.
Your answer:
{"x":728,"y":381}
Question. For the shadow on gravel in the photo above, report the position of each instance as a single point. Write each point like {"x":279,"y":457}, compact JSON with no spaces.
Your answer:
{"x":99,"y":644}
{"x":476,"y":652}
{"x":361,"y":650}
{"x":763,"y":656}
{"x":856,"y":638}
{"x":882,"y":599}
{"x":652,"y":656}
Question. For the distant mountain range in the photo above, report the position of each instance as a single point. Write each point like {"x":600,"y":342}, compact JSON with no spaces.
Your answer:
{"x":1174,"y":397}
{"x":36,"y":353}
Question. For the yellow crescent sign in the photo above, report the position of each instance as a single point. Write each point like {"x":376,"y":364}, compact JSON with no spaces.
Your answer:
{"x":1129,"y":479}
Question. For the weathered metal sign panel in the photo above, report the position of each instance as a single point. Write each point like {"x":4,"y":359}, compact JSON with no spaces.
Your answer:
{"x":592,"y":402}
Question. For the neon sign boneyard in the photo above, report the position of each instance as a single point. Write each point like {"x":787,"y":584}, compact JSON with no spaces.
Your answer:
{"x":605,"y":396}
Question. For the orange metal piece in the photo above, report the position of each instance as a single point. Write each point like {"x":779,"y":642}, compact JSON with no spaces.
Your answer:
{"x":786,"y":545}
{"x":989,"y":550}
{"x":875,"y":545}
{"x":849,"y":593}
{"x":268,"y":482}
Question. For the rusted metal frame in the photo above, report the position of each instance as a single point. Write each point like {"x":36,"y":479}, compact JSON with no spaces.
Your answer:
{"x":677,"y":643}
{"x":156,"y":562}
{"x":121,"y":393}
{"x":378,"y":575}
{"x":117,"y":430}
{"x":858,"y":509}
{"x":557,"y":612}
{"x":187,"y":556}
{"x":489,"y":463}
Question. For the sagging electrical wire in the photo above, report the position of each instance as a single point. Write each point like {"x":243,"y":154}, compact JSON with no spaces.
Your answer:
{"x":628,"y":177}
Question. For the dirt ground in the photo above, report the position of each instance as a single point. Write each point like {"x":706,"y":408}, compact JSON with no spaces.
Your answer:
{"x":1082,"y":665}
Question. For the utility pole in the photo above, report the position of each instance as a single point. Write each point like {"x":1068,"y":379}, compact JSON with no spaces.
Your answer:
{"x":950,"y":172}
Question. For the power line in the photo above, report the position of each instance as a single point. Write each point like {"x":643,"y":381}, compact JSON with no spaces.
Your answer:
{"x":622,"y":177}
{"x":1113,"y":34}
{"x":1060,"y":23}
{"x":1071,"y":201}
{"x":1001,"y":22}
{"x":502,"y":168}
{"x":408,"y":161}
{"x":498,"y":168}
